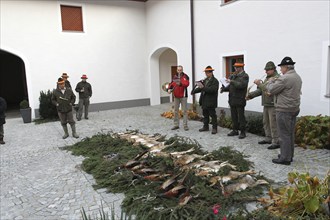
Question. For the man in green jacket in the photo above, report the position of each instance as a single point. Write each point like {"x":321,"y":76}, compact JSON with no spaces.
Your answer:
{"x":238,"y":83}
{"x":85,"y":93}
{"x":64,"y":99}
{"x":267,"y":101}
{"x":208,"y":99}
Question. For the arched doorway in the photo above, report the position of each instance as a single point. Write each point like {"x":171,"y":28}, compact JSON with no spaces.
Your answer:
{"x":162,"y":63}
{"x":13,"y":87}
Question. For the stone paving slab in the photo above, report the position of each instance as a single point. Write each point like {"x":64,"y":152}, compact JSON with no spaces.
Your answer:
{"x":40,"y":181}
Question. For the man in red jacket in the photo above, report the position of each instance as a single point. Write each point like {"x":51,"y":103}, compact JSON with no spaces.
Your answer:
{"x":179,"y":86}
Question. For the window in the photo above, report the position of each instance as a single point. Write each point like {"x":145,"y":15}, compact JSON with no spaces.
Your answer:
{"x":325,"y":76}
{"x":71,"y":18}
{"x":230,"y":62}
{"x":327,"y":92}
{"x":225,"y":2}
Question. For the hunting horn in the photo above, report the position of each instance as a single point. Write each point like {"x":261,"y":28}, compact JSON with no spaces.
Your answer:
{"x":166,"y":87}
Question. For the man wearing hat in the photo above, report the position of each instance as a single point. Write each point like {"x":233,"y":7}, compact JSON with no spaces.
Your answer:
{"x":287,"y":91}
{"x":64,"y":99}
{"x":208,"y":99}
{"x":65,"y":78}
{"x":238,"y":83}
{"x":85,"y":92}
{"x":267,"y":101}
{"x":3,"y":107}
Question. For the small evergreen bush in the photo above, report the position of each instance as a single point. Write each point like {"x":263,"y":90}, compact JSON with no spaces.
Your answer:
{"x":24,"y":104}
{"x":254,"y":123}
{"x":46,"y":108}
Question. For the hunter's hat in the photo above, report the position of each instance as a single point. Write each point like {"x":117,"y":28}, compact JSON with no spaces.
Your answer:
{"x":286,"y":61}
{"x":239,"y":64}
{"x":60,"y":81}
{"x":65,"y":75}
{"x":208,"y":69}
{"x":270,"y":65}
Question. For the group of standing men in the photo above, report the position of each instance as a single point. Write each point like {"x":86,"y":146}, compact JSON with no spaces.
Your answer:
{"x":280,"y":98}
{"x":64,"y":99}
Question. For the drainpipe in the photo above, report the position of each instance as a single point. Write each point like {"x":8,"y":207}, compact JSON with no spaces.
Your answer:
{"x":192,"y":48}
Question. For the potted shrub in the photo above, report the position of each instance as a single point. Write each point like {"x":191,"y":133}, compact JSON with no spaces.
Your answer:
{"x":25,"y":111}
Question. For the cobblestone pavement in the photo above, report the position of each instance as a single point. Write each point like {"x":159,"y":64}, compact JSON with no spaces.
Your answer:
{"x":40,"y":181}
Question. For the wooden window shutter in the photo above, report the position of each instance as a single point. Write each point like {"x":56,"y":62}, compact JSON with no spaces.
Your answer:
{"x":71,"y":18}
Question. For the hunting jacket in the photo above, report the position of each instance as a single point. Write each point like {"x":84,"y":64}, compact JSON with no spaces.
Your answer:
{"x":63,"y":102}
{"x":209,"y":93}
{"x":266,"y":99}
{"x":237,"y":88}
{"x":87,"y":90}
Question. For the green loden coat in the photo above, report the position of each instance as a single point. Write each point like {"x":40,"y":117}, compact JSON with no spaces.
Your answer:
{"x":267,"y":100}
{"x":209,"y":94}
{"x":237,"y":89}
{"x":64,"y":102}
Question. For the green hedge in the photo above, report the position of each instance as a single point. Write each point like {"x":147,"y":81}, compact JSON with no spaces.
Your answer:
{"x":254,"y":123}
{"x":46,"y":108}
{"x":312,"y":131}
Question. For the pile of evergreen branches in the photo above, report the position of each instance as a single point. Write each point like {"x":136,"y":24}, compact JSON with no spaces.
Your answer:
{"x":143,"y":198}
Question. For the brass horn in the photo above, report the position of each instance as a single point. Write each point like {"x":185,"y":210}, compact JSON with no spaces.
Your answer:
{"x":166,"y":87}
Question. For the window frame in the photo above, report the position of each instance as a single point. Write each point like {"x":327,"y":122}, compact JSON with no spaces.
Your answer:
{"x":325,"y":71}
{"x":227,"y":2}
{"x":228,"y":64}
{"x":71,"y":4}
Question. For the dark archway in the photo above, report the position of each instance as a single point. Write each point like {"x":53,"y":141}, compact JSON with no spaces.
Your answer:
{"x":13,"y":86}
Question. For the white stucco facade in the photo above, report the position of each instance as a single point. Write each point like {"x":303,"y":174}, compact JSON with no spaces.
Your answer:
{"x":111,"y":50}
{"x":127,"y":47}
{"x":263,"y":31}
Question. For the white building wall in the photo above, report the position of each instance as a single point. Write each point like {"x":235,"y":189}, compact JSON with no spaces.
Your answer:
{"x":121,"y":36}
{"x":168,"y":25}
{"x":111,"y":51}
{"x":167,"y":59}
{"x":263,"y":31}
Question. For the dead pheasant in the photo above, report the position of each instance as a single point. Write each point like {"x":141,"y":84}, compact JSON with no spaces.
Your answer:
{"x":166,"y":185}
{"x":232,"y":175}
{"x":244,"y":183}
{"x":135,"y":161}
{"x":146,"y":171}
{"x":156,"y":176}
{"x":175,"y":191}
{"x":186,"y":159}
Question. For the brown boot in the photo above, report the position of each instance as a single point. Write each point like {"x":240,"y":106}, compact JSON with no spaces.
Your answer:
{"x":1,"y":141}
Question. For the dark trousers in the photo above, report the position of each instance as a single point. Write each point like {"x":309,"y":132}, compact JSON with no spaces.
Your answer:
{"x":286,"y":122}
{"x":82,"y":102}
{"x":238,"y":117}
{"x":66,"y":117}
{"x":1,"y":131}
{"x":207,"y":113}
